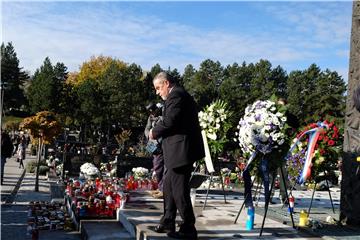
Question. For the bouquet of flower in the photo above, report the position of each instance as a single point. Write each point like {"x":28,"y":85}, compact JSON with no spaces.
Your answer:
{"x":140,"y":172}
{"x":214,"y":120}
{"x":89,"y":170}
{"x":262,"y":128}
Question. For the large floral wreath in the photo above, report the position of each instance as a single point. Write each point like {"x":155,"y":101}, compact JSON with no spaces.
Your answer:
{"x":262,"y":128}
{"x":326,"y":153}
{"x":262,"y":131}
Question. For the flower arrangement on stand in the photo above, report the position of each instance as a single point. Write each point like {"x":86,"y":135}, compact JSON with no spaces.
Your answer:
{"x":262,"y":130}
{"x":214,"y":120}
{"x":326,"y":153}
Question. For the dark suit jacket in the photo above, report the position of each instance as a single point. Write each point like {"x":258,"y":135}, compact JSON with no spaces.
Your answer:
{"x":182,"y":141}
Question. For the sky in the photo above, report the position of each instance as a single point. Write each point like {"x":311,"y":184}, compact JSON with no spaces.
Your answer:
{"x":174,"y":34}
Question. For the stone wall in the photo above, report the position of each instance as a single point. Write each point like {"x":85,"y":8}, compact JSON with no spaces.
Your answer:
{"x":350,"y":185}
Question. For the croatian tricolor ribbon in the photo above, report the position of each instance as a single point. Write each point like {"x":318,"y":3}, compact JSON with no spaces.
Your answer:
{"x":313,"y":138}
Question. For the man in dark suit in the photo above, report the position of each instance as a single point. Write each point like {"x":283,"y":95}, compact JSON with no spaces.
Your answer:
{"x":182,"y":146}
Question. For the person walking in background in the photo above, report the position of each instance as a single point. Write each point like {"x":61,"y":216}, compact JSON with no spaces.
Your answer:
{"x":155,"y":111}
{"x":28,"y":140}
{"x":6,"y":151}
{"x":16,"y":142}
{"x":22,"y":151}
{"x":182,"y":145}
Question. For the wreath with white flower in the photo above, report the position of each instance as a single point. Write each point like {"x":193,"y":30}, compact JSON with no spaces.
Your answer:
{"x":263,"y":130}
{"x":214,"y":120}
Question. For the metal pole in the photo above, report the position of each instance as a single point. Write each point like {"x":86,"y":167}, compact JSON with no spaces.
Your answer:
{"x":312,"y":199}
{"x":332,"y":204}
{"x":38,"y":162}
{"x":287,"y":195}
{"x":207,"y":192}
{"x":267,"y":200}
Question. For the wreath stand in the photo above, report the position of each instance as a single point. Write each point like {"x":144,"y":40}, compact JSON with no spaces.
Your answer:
{"x":267,"y":200}
{"x":312,"y":197}
{"x":313,"y":194}
{"x":197,"y":179}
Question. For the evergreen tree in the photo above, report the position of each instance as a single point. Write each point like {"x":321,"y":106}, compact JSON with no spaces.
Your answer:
{"x":296,"y":98}
{"x":205,"y":83}
{"x":46,"y":87}
{"x":125,"y":103}
{"x":188,"y":75}
{"x":235,"y":89}
{"x":60,"y":90}
{"x":175,"y":75}
{"x":13,"y":78}
{"x":314,"y":94}
{"x":329,"y":94}
{"x":149,"y":92}
{"x":267,"y":81}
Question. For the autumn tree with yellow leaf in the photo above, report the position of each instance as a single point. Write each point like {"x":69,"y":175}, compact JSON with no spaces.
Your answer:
{"x":43,"y":128}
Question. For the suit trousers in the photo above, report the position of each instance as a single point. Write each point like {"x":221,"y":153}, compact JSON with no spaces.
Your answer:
{"x":177,"y":196}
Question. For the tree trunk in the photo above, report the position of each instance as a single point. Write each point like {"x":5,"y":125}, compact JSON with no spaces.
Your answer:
{"x":40,"y":148}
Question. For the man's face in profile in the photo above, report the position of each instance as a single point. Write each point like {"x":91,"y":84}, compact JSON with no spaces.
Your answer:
{"x":162,"y":88}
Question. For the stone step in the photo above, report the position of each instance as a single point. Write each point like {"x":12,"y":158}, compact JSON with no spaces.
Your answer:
{"x":103,"y":230}
{"x":215,"y":222}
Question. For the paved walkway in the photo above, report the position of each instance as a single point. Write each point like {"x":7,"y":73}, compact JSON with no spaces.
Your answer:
{"x":13,"y":216}
{"x":16,"y":193}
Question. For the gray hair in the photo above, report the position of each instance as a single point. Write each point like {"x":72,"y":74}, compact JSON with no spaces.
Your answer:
{"x":164,"y":76}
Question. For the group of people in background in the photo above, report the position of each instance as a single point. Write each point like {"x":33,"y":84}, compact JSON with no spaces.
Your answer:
{"x":15,"y":146}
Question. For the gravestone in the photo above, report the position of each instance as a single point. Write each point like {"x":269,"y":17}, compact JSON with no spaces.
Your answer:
{"x":350,"y":185}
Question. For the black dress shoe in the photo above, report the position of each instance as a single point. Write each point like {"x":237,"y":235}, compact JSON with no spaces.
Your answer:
{"x":183,"y":235}
{"x":161,"y":228}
